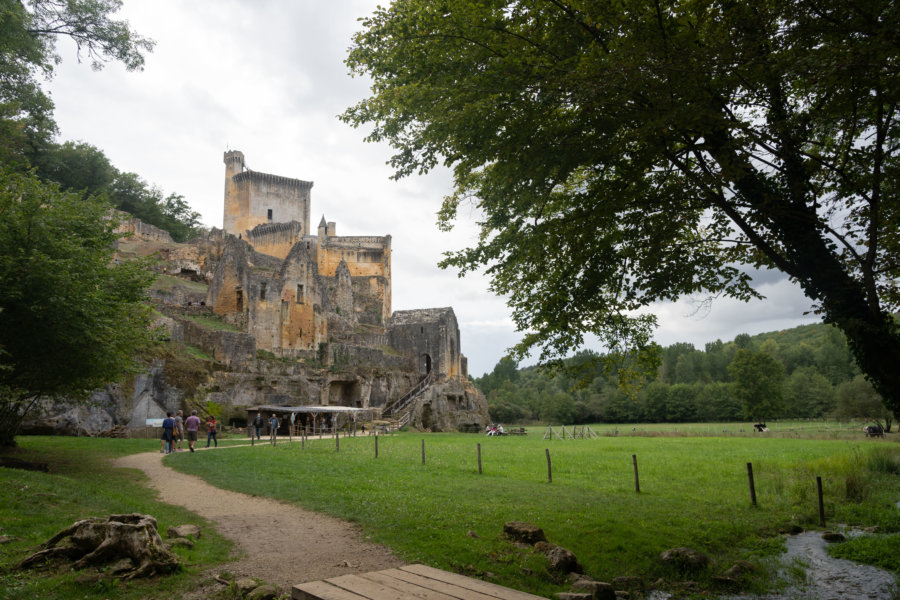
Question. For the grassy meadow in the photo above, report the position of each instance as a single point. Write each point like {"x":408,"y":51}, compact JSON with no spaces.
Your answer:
{"x":693,"y":492}
{"x":81,"y":484}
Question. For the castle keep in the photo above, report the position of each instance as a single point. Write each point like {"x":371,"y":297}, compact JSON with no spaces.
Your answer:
{"x":296,"y":289}
{"x":304,"y":294}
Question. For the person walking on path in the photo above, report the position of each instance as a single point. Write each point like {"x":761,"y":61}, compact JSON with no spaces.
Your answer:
{"x":211,"y":431}
{"x":258,"y":425}
{"x":192,"y":425}
{"x":168,"y":433}
{"x":179,"y":430}
{"x":273,"y":427}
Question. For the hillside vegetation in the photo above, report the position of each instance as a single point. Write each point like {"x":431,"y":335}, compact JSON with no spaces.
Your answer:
{"x":804,"y":372}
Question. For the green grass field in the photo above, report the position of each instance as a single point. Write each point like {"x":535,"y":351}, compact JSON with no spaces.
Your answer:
{"x":81,"y":484}
{"x":693,"y":492}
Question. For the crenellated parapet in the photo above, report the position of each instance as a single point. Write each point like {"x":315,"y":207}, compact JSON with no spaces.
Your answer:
{"x":275,"y":180}
{"x":275,"y":239}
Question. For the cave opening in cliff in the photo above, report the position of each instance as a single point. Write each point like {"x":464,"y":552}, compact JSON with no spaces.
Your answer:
{"x":344,"y":393}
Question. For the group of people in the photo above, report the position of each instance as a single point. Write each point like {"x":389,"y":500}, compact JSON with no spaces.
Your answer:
{"x":494,"y":429}
{"x":258,"y":422}
{"x":174,"y":426}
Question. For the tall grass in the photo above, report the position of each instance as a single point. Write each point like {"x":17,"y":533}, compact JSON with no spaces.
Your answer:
{"x":693,"y":492}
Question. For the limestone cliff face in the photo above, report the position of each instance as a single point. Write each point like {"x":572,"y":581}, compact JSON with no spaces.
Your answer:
{"x":451,"y":405}
{"x":148,"y":396}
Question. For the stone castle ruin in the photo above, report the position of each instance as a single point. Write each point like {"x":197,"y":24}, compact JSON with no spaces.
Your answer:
{"x":305,"y":317}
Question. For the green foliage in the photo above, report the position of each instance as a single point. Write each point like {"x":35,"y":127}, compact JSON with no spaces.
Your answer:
{"x":693,"y":493}
{"x":628,"y":155}
{"x":213,"y":322}
{"x":758,"y":379}
{"x":70,"y":320}
{"x":83,"y":483}
{"x":129,"y":193}
{"x":880,"y":551}
{"x":857,"y":398}
{"x":28,"y":34}
{"x":690,"y":384}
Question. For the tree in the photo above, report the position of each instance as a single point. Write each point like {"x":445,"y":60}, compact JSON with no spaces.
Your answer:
{"x":129,"y":193}
{"x":808,"y":394}
{"x":758,"y":383}
{"x":76,"y":167}
{"x":637,"y":152}
{"x":858,"y":399}
{"x":70,"y":319}
{"x":28,"y":34}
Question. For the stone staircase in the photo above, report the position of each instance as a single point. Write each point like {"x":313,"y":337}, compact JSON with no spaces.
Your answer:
{"x":400,"y":410}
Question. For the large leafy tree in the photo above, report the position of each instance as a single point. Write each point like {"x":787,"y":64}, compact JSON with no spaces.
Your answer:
{"x":758,"y":383}
{"x":71,"y":319}
{"x":29,"y":30}
{"x":625,"y":153}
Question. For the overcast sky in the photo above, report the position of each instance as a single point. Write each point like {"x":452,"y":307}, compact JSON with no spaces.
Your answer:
{"x":267,"y":77}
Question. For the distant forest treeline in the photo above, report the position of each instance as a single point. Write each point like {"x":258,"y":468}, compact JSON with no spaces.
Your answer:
{"x":805,"y":372}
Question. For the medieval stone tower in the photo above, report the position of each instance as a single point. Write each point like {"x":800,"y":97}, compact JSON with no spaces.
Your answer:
{"x":253,"y":198}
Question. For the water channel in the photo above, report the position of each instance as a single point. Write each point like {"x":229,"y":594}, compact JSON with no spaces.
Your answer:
{"x":827,"y":578}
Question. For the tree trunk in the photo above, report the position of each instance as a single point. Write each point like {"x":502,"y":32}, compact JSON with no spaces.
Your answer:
{"x":98,"y":541}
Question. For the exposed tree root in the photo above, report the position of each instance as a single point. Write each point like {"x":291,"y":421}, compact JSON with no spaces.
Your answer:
{"x":96,"y":541}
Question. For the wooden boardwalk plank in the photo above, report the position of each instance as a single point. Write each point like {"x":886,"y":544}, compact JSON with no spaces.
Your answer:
{"x":484,"y":587}
{"x":374,"y":590}
{"x":321,"y":590}
{"x":411,"y":582}
{"x":441,"y":586}
{"x":406,"y":588}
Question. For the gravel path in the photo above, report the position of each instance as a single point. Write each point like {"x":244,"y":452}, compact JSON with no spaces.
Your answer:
{"x":276,"y":542}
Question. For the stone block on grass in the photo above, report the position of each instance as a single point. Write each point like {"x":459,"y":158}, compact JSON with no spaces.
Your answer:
{"x":685,"y":559}
{"x":526,"y":533}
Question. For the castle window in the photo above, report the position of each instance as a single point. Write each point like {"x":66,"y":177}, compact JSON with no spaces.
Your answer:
{"x":270,"y":215}
{"x":239,"y":300}
{"x":262,"y":291}
{"x":300,"y":298}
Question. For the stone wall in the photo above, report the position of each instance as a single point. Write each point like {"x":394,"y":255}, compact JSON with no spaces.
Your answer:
{"x":432,"y":336}
{"x":451,"y":405}
{"x":275,"y":239}
{"x":230,"y":348}
{"x":139,"y":229}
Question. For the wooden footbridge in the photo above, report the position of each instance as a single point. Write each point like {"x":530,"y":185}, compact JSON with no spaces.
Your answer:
{"x":416,"y":582}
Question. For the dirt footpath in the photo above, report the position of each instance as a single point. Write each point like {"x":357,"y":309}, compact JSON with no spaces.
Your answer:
{"x":276,"y":542}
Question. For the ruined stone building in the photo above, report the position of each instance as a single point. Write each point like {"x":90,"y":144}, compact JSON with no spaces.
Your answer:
{"x":298,"y":291}
{"x":300,"y":317}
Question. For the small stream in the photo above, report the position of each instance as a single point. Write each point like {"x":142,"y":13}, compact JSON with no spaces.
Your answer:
{"x":827,"y":578}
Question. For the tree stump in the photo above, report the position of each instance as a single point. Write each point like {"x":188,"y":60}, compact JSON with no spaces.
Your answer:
{"x":97,"y":541}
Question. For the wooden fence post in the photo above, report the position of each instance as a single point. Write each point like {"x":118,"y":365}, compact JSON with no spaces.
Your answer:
{"x":376,"y":444}
{"x":337,"y":443}
{"x":549,"y":469}
{"x":637,"y":483}
{"x":479,"y":459}
{"x":423,"y":451}
{"x":821,"y":502}
{"x":752,"y":487}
